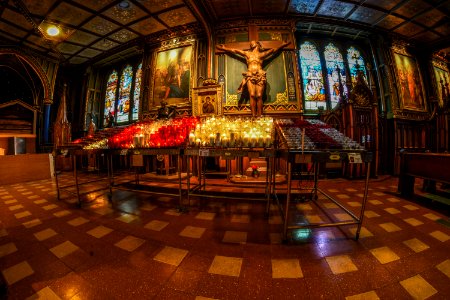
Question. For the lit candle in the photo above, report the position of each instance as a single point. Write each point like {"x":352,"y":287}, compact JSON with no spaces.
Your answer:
{"x":253,"y":140}
{"x":225,"y":141}
{"x":268,"y":140}
{"x":245,"y":141}
{"x":232,"y":139}
{"x":260,"y":140}
{"x":191,"y":138}
{"x":217,"y":139}
{"x":141,"y":140}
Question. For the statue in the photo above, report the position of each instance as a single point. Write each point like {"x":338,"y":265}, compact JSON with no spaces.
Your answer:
{"x":92,"y":127}
{"x":255,"y":77}
{"x":109,"y":120}
{"x":166,"y":112}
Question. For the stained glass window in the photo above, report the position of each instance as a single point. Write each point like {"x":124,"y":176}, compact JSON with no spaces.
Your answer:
{"x":311,"y":69}
{"x":123,"y":103}
{"x":335,"y":62}
{"x":137,"y":92}
{"x":110,"y":97}
{"x":354,"y":58}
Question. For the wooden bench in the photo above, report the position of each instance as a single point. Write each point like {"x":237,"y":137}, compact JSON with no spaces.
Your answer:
{"x":433,"y":167}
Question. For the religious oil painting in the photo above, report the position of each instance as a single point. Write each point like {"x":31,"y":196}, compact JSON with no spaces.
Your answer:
{"x":410,"y":86}
{"x":442,"y":83}
{"x":172,"y":76}
{"x":207,"y":105}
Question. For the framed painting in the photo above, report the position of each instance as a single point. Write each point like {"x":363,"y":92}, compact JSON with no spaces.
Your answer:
{"x":207,"y":101}
{"x":207,"y":105}
{"x":442,"y":79}
{"x":172,"y":77}
{"x":409,"y":82}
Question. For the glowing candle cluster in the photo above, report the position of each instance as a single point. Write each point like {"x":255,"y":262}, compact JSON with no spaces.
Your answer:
{"x":154,"y":134}
{"x":233,"y":132}
{"x":100,"y":144}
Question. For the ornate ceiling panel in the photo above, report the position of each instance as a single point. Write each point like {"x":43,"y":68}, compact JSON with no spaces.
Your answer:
{"x":67,"y":48}
{"x":444,"y":29}
{"x":123,"y":35}
{"x":409,"y":29}
{"x":335,"y":9}
{"x":390,"y":22}
{"x":427,"y":36}
{"x":96,"y":4}
{"x":97,"y":27}
{"x":430,"y":18}
{"x":227,"y":8}
{"x":366,"y":15}
{"x":148,"y":26}
{"x":9,"y":29}
{"x":101,"y":26}
{"x":16,"y":18}
{"x":268,"y":6}
{"x":34,"y":46}
{"x":82,"y":38}
{"x":38,"y":7}
{"x":89,"y":53}
{"x":159,"y":5}
{"x":303,"y":6}
{"x":105,"y":44}
{"x":125,"y":12}
{"x":9,"y":37}
{"x":180,"y":16}
{"x":78,"y":60}
{"x":35,"y":39}
{"x":383,"y":4}
{"x":68,"y":14}
{"x":412,"y":8}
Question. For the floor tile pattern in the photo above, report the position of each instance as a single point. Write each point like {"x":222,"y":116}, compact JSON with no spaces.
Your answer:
{"x":141,"y":246}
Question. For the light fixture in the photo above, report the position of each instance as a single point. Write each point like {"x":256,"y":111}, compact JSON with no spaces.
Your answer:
{"x":54,"y":31}
{"x":124,"y":4}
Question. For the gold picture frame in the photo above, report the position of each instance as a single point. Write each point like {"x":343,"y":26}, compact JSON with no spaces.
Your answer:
{"x":172,"y":76}
{"x":207,"y":101}
{"x":409,"y":82}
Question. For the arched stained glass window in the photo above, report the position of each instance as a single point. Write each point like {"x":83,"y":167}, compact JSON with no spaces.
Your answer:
{"x":110,"y":97}
{"x":137,"y":92}
{"x":334,"y":60}
{"x":313,"y":85}
{"x":354,"y":58}
{"x":123,"y":103}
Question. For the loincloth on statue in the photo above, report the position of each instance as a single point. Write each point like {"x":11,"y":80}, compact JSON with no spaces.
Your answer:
{"x":258,"y":78}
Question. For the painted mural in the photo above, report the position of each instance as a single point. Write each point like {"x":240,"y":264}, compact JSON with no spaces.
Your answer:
{"x":409,"y":82}
{"x":172,"y":76}
{"x":442,"y":81}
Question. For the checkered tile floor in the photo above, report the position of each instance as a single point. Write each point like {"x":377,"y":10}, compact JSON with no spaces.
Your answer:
{"x":141,"y":247}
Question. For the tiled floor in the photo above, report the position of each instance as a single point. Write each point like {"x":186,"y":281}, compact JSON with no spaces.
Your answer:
{"x":141,"y":247}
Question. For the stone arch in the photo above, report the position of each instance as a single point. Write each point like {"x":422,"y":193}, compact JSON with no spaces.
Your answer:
{"x":36,"y":67}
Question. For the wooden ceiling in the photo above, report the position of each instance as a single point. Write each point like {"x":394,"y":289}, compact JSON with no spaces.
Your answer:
{"x":98,"y":28}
